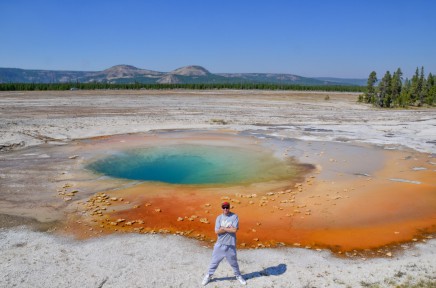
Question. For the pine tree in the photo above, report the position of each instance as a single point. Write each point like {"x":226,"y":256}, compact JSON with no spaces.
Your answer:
{"x":404,"y":99}
{"x":422,"y":86}
{"x":415,"y":88}
{"x":385,"y":91}
{"x":430,"y":90}
{"x":370,"y":89}
{"x":396,"y":84}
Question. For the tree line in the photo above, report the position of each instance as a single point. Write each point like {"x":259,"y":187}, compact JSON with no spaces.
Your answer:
{"x":194,"y":86}
{"x":392,"y":91}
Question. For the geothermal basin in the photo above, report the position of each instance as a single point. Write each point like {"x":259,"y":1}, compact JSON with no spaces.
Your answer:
{"x":286,"y":192}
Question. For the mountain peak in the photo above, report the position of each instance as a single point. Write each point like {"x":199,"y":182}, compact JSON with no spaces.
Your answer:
{"x":191,"y":71}
{"x":122,"y":67}
{"x":120,"y":71}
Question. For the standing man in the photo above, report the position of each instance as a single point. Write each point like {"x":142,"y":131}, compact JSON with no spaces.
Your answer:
{"x":226,"y":226}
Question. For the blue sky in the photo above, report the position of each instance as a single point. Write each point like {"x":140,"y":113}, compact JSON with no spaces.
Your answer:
{"x":346,"y":39}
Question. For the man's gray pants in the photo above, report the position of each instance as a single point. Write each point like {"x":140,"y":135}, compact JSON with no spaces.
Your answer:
{"x":219,"y":252}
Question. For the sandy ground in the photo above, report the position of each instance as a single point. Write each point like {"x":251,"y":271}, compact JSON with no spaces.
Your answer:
{"x":31,"y":259}
{"x":32,"y":122}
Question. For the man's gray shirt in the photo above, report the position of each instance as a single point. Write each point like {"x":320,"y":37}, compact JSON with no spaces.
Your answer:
{"x":226,"y":221}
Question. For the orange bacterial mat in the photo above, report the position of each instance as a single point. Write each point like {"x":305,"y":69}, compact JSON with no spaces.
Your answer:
{"x":335,"y":200}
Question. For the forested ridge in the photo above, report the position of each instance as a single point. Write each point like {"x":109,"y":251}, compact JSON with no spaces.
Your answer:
{"x":194,"y":86}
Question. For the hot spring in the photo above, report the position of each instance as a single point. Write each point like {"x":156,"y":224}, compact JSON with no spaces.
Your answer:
{"x":195,"y":164}
{"x":175,"y":183}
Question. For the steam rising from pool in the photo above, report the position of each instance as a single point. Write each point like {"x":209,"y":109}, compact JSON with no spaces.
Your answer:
{"x":195,"y":164}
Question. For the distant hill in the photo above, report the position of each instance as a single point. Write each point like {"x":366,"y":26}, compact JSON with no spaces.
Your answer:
{"x":182,"y":75}
{"x":277,"y":79}
{"x":348,"y":81}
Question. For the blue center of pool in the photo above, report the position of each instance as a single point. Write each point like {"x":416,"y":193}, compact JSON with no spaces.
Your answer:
{"x":194,"y":164}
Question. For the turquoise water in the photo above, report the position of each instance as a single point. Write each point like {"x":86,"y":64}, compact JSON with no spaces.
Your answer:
{"x":194,"y":164}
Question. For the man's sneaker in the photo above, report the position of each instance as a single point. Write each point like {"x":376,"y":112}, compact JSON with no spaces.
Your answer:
{"x":241,"y":280}
{"x":206,"y":279}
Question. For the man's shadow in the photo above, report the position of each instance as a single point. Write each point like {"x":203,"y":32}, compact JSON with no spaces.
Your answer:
{"x":270,"y":271}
